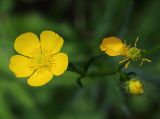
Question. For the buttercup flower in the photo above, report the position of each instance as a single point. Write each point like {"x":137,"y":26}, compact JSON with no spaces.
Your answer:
{"x":39,"y":60}
{"x":113,"y":46}
{"x":135,"y":86}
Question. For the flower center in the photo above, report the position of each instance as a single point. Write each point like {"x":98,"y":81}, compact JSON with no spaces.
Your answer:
{"x":44,"y":61}
{"x":134,"y":53}
{"x":40,"y":59}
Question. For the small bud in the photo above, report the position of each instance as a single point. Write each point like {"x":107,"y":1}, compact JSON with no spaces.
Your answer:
{"x":135,"y":86}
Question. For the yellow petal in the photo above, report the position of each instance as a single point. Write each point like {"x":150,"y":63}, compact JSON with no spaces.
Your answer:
{"x":40,"y":77}
{"x":60,"y":64}
{"x":21,"y":66}
{"x":51,"y":42}
{"x":27,"y":44}
{"x":113,"y":46}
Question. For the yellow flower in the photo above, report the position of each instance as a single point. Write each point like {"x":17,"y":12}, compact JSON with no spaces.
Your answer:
{"x":135,"y":86}
{"x":113,"y":46}
{"x":39,"y":60}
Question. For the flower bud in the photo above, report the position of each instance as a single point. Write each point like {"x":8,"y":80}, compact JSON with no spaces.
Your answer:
{"x":135,"y":86}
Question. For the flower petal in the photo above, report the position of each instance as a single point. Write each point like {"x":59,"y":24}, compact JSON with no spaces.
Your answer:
{"x":113,"y":46}
{"x":40,"y":77}
{"x":27,"y":44}
{"x":21,"y":66}
{"x":51,"y":42}
{"x":60,"y":64}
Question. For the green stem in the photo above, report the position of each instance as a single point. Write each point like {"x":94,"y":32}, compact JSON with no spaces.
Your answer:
{"x":73,"y":68}
{"x":98,"y":74}
{"x":91,"y":61}
{"x":84,"y":72}
{"x":104,"y":73}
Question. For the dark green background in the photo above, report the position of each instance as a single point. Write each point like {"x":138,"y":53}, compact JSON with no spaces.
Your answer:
{"x":82,"y":24}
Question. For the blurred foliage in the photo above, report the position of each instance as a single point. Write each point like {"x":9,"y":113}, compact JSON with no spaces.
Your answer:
{"x":82,"y":23}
